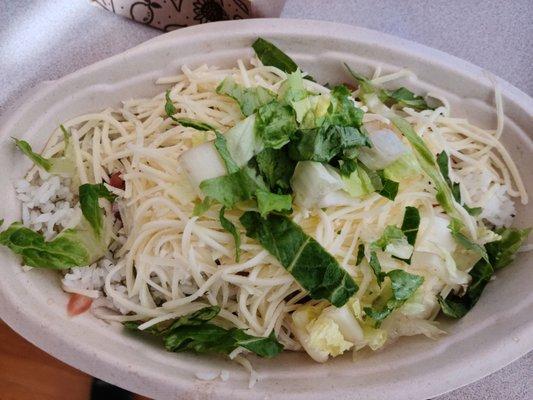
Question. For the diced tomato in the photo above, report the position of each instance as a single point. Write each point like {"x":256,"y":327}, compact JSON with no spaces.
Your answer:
{"x":78,"y":304}
{"x":350,"y":86}
{"x":116,"y":180}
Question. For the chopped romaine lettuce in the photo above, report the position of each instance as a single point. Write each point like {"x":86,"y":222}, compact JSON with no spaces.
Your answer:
{"x":301,"y":255}
{"x":194,"y":332}
{"x":276,"y":168}
{"x":230,"y":227}
{"x":249,"y":99}
{"x":406,"y":167}
{"x":221,"y":145}
{"x":268,"y":202}
{"x":275,"y":124}
{"x":64,"y":166}
{"x":499,"y":254}
{"x":292,"y":89}
{"x":269,"y":54}
{"x":243,"y":142}
{"x":403,"y":286}
{"x":89,"y":195}
{"x":311,"y":111}
{"x":76,"y":247}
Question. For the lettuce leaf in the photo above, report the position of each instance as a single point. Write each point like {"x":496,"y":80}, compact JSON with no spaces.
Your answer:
{"x":308,"y":262}
{"x":268,"y":202}
{"x":499,"y":254}
{"x":401,"y":96}
{"x":89,"y":195}
{"x":80,"y":246}
{"x":390,"y":188}
{"x":292,"y":89}
{"x":64,"y":166}
{"x":230,"y":227}
{"x":410,"y":224}
{"x":276,"y":168}
{"x":403,"y":286}
{"x":192,"y":123}
{"x":202,"y":207}
{"x":221,"y":145}
{"x":230,"y":189}
{"x":63,"y":252}
{"x":455,"y":228}
{"x":502,"y":252}
{"x":170,"y":110}
{"x":270,"y":55}
{"x":429,"y":165}
{"x":443,"y":163}
{"x":194,"y":332}
{"x":324,"y":143}
{"x":249,"y":99}
{"x":342,"y":110}
{"x":404,"y":98}
{"x":275,"y":124}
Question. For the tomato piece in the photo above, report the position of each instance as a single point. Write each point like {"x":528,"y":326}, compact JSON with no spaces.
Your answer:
{"x":78,"y":304}
{"x":116,"y":180}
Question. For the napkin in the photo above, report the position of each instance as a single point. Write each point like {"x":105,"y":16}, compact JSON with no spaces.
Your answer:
{"x":168,"y":15}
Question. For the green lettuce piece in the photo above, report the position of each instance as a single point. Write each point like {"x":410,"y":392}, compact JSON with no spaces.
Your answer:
{"x":230,"y":189}
{"x":64,"y":166}
{"x":192,"y":123}
{"x":405,"y":167}
{"x":429,"y":165}
{"x":404,"y":98}
{"x":221,"y":145}
{"x":443,"y":163}
{"x":249,"y":99}
{"x":503,"y":251}
{"x":194,"y":332}
{"x":89,"y":195}
{"x":376,"y":267}
{"x":37,"y":159}
{"x":390,"y":188}
{"x":292,"y":89}
{"x":243,"y":185}
{"x":170,"y":110}
{"x":302,"y":256}
{"x":242,"y":141}
{"x":276,"y":168}
{"x":230,"y":227}
{"x":76,"y":247}
{"x":455,"y":228}
{"x":500,"y":253}
{"x":358,"y":183}
{"x":390,"y":234}
{"x":270,"y":55}
{"x":342,"y":111}
{"x":202,"y":207}
{"x":347,"y":167}
{"x":311,"y":111}
{"x":325,"y":143}
{"x":275,"y":124}
{"x":410,"y":224}
{"x":268,"y":202}
{"x":403,"y":286}
{"x":401,"y":96}
{"x":64,"y":251}
{"x":455,"y":306}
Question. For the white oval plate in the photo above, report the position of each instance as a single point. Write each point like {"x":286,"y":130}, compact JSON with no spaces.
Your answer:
{"x":495,"y":333}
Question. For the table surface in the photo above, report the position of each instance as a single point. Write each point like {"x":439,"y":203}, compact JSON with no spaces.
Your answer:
{"x":44,"y":41}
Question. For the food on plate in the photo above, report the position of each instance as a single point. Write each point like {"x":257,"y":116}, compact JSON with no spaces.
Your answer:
{"x":252,"y":210}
